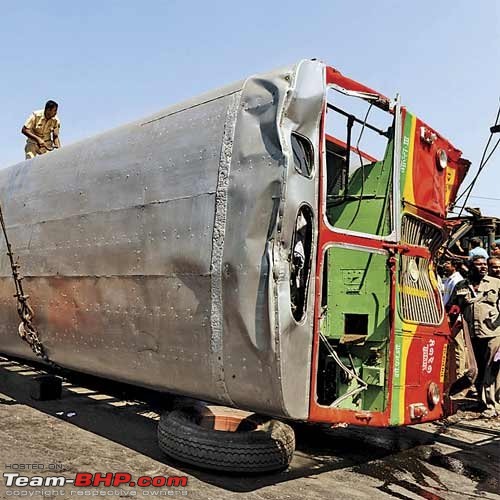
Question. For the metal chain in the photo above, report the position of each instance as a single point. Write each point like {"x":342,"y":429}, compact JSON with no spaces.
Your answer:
{"x":27,"y":330}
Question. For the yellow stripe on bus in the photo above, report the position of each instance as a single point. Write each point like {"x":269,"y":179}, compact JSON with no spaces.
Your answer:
{"x":416,"y":292}
{"x":443,"y":363}
{"x":409,"y":193}
{"x":405,"y":347}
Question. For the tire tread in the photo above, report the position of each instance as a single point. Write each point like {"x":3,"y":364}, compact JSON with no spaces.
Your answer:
{"x":268,"y":448}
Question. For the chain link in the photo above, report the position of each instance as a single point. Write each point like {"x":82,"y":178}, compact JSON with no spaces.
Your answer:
{"x":27,"y":330}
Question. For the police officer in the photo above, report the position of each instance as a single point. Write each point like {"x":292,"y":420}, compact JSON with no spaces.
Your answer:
{"x":479,"y":300}
{"x":42,"y":131}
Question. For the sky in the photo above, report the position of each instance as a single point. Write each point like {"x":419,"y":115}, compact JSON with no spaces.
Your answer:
{"x":109,"y":62}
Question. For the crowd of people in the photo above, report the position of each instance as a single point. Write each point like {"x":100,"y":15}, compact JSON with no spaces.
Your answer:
{"x":471,"y":295}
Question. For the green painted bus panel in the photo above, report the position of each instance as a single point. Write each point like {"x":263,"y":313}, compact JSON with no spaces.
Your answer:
{"x":366,"y":208}
{"x":356,"y":321}
{"x":374,"y":399}
{"x":358,"y":295}
{"x":374,"y":375}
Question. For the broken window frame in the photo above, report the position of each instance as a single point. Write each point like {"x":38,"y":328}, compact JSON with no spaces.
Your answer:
{"x":394,"y":108}
{"x":307,"y":158}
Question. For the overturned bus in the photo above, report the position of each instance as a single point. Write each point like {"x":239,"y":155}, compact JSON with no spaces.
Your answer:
{"x":267,"y":246}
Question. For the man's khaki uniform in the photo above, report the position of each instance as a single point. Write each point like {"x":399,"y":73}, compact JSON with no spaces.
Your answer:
{"x":481,"y":310}
{"x":43,"y":128}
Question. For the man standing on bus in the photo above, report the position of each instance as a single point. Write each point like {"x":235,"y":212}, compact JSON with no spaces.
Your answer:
{"x":479,"y":300}
{"x":42,"y":131}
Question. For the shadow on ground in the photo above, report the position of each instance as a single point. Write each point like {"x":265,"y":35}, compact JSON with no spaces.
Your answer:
{"x":403,"y":457}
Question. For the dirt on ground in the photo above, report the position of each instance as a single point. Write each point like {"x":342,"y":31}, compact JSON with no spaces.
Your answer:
{"x":100,"y":426}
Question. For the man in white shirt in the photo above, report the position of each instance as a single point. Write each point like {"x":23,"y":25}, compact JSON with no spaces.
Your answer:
{"x":449,"y":281}
{"x":451,"y":278}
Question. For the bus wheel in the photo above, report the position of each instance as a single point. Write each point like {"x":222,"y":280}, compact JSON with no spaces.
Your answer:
{"x":246,"y":443}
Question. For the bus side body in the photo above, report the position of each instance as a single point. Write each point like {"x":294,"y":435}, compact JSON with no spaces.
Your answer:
{"x":158,"y":253}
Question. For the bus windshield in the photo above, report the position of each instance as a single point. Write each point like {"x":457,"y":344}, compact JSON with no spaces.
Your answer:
{"x":359,"y":153}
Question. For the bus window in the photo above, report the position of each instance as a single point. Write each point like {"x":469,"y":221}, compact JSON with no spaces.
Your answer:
{"x":303,"y":154}
{"x":359,"y":153}
{"x":300,"y":262}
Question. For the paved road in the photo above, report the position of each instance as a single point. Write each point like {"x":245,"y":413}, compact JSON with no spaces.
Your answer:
{"x":108,"y":427}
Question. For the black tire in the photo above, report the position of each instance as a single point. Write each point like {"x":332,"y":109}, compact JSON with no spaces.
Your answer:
{"x":269,"y":446}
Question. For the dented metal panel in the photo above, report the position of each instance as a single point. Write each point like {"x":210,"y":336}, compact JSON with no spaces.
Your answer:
{"x":158,"y":253}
